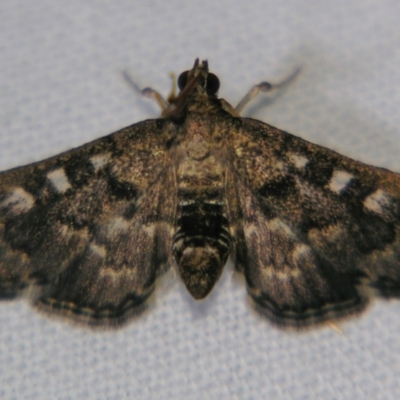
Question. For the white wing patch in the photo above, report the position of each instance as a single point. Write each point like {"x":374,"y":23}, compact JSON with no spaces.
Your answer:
{"x":117,"y":226}
{"x":18,"y":201}
{"x":98,"y":250}
{"x":377,"y":201}
{"x":149,"y":229}
{"x":298,"y":160}
{"x":300,"y":251}
{"x":59,"y":180}
{"x":100,"y":160}
{"x":283,"y":274}
{"x":250,"y":229}
{"x":340,"y":180}
{"x":277,"y":224}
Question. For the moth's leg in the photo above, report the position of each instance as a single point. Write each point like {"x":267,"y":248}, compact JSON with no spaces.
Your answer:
{"x":149,"y":92}
{"x":264,"y":87}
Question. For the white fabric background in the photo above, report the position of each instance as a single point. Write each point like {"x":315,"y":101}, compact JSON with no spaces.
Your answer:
{"x":60,"y":86}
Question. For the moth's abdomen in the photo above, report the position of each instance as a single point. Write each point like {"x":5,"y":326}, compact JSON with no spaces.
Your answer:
{"x":202,"y":240}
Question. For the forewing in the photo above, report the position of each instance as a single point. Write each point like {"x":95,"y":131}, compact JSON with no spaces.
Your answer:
{"x":90,"y":228}
{"x":317,"y":229}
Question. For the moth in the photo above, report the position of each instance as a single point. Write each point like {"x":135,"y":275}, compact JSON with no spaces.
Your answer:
{"x":87,"y":232}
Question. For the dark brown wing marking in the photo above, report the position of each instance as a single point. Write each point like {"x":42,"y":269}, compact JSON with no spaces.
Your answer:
{"x":319,"y":228}
{"x":92,"y":227}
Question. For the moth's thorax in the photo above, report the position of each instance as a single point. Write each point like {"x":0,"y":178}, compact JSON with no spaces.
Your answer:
{"x":200,"y":156}
{"x":203,"y":104}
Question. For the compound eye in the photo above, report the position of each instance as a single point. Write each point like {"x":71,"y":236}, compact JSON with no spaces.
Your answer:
{"x":212,"y":84}
{"x":182,"y":80}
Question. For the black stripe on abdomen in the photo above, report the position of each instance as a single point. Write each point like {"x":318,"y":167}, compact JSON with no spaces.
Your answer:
{"x":202,"y":240}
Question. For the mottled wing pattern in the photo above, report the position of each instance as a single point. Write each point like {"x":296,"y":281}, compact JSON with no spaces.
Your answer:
{"x":91,"y":228}
{"x":315,"y":231}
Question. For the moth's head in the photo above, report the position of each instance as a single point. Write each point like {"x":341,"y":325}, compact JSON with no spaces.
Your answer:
{"x":198,"y":80}
{"x":196,"y":87}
